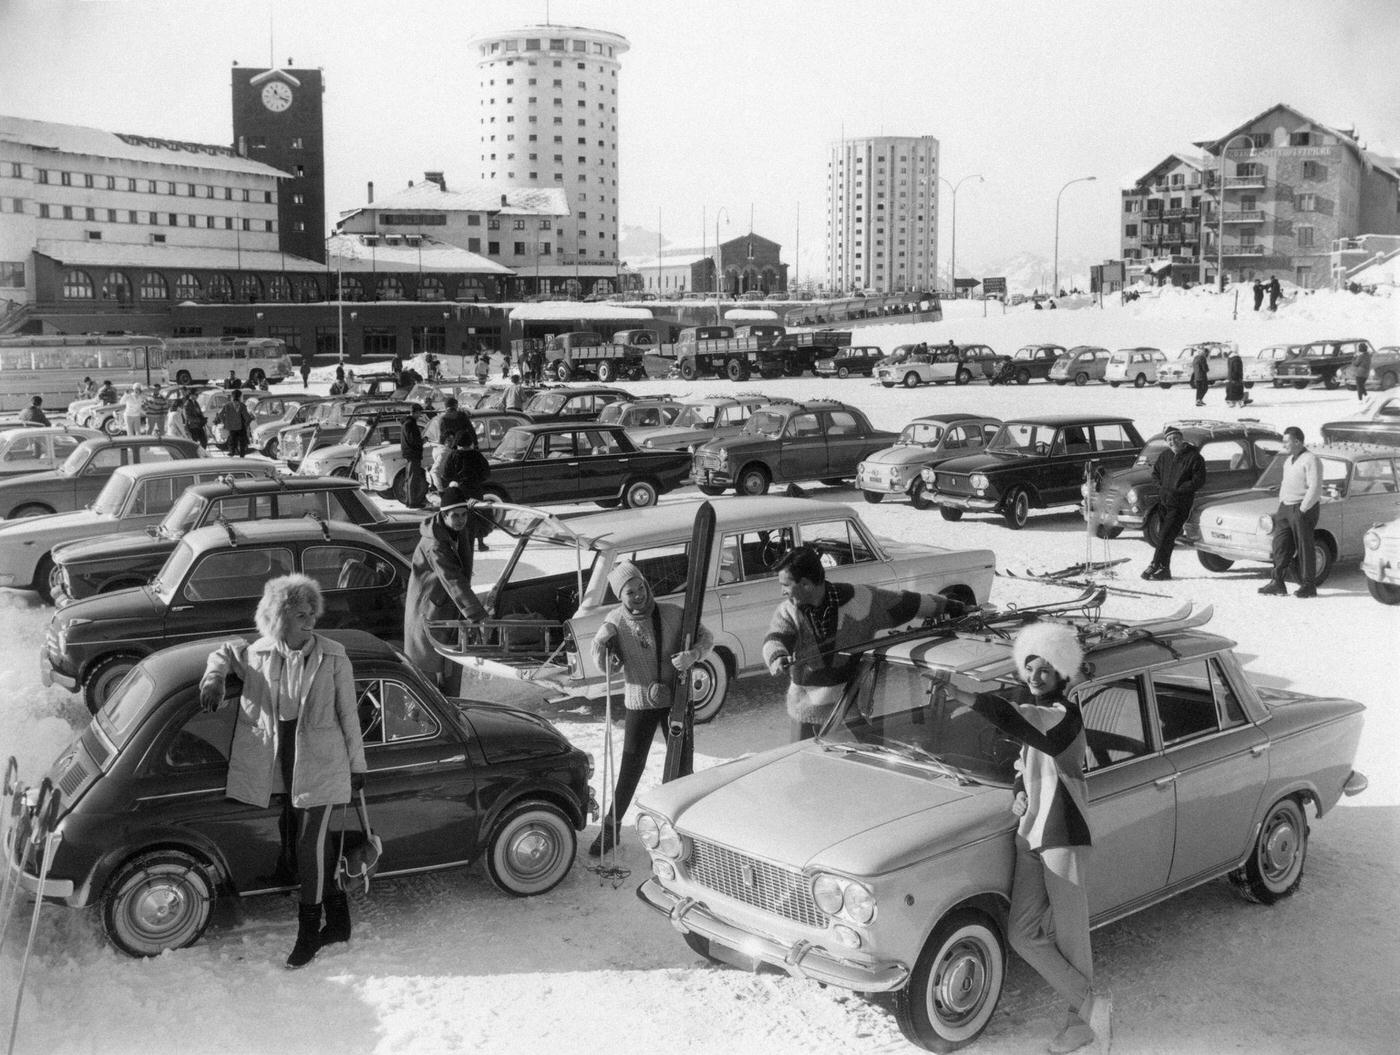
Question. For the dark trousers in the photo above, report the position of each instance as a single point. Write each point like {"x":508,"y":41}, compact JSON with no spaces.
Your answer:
{"x":1361,"y":385}
{"x":305,"y":846}
{"x":238,"y":442}
{"x":1293,"y":538}
{"x":1173,"y":520}
{"x":197,"y":434}
{"x":1202,"y":387}
{"x":637,"y":738}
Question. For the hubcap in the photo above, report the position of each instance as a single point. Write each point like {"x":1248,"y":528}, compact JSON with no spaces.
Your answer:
{"x":531,"y":851}
{"x":961,"y":984}
{"x":1280,"y":849}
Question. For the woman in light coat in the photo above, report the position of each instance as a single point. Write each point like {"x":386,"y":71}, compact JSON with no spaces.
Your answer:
{"x":297,"y":735}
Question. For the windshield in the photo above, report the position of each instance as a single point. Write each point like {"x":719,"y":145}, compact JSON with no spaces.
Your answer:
{"x":168,"y":579}
{"x":112,"y":498}
{"x":73,"y":464}
{"x":924,"y":716}
{"x":126,"y":706}
{"x":546,"y":403}
{"x":697,"y":416}
{"x":357,"y":433}
{"x":1023,"y":438}
{"x":611,"y":414}
{"x":764,"y":423}
{"x":183,"y":516}
{"x":1334,"y":475}
{"x":513,"y":447}
{"x":922,"y":433}
{"x":1151,"y":452}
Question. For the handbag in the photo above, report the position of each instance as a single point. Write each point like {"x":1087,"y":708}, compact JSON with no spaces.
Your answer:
{"x":359,"y":853}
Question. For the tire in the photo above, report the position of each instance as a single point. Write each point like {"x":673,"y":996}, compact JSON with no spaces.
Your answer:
{"x":256,"y":377}
{"x":270,"y":448}
{"x":183,"y":377}
{"x":43,"y":578}
{"x":1016,"y":509}
{"x":30,"y":509}
{"x":950,"y":514}
{"x":911,"y":380}
{"x":834,"y":481}
{"x":157,"y":901}
{"x":563,"y":371}
{"x":734,"y":369}
{"x":104,"y":677}
{"x":1023,"y":376}
{"x":843,"y":372}
{"x":1249,"y":384}
{"x":1140,"y":381}
{"x":1114,"y":384}
{"x":1164,"y":385}
{"x":607,"y":372}
{"x":1330,"y":381}
{"x":752,"y":481}
{"x":711,"y":490}
{"x":1211,"y":562}
{"x":918,"y":494}
{"x":109,"y":425}
{"x":688,"y":371}
{"x":1324,"y":560}
{"x":531,"y":849}
{"x":1064,"y":382}
{"x":1104,"y":531}
{"x":343,"y":471}
{"x":1384,"y":592}
{"x":1274,"y":870}
{"x":1301,"y":384}
{"x":1152,"y":527}
{"x":397,"y":489}
{"x":709,"y":687}
{"x":1388,"y":379}
{"x":963,"y":377}
{"x":1081,"y":379}
{"x":887,"y":384}
{"x":608,"y":503}
{"x":955,"y":985}
{"x":639,"y":494}
{"x":1278,"y":383}
{"x":873,"y":497}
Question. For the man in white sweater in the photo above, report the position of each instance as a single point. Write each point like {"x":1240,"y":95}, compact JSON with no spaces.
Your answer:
{"x":1299,"y":499}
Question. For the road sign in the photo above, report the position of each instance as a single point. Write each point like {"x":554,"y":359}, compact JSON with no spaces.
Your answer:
{"x":994,"y":285}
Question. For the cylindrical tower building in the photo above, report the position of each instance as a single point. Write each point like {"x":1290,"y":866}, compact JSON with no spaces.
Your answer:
{"x":547,"y":117}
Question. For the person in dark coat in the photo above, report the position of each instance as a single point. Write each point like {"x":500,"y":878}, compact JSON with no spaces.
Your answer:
{"x":452,"y":421}
{"x":1179,"y":472}
{"x":440,"y":586}
{"x":339,"y":386}
{"x":306,"y":358}
{"x":231,"y":382}
{"x":237,"y":421}
{"x":196,"y":421}
{"x":1258,"y":294}
{"x":1200,"y":376}
{"x":34,"y":413}
{"x":107,"y":394}
{"x":1235,"y":395}
{"x":1275,"y":293}
{"x":467,"y":468}
{"x":1363,"y":370}
{"x":415,"y":488}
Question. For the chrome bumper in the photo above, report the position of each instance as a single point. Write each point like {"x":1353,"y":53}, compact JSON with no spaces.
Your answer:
{"x":977,"y":505}
{"x":802,"y":959}
{"x":48,"y":675}
{"x":1356,"y":784}
{"x":28,"y":881}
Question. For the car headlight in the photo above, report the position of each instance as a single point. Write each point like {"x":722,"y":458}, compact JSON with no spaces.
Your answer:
{"x":1372,"y":539}
{"x":660,"y":836}
{"x":1266,"y":523}
{"x":648,"y":831}
{"x":838,"y":896}
{"x":978,"y":481}
{"x":1084,"y":490}
{"x":1132,"y":496}
{"x":723,"y":458}
{"x":647,"y":444}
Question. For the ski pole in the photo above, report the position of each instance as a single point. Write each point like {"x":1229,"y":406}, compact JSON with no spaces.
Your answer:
{"x":17,"y":854}
{"x":609,"y":855}
{"x":13,"y":794}
{"x":46,"y":818}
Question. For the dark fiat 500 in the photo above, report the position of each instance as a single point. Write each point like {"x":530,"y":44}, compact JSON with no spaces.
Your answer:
{"x":149,"y":836}
{"x":211,"y":584}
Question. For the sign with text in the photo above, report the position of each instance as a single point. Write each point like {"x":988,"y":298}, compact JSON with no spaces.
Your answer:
{"x":994,"y":285}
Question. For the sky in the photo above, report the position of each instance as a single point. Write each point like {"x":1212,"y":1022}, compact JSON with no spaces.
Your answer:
{"x":736,"y":104}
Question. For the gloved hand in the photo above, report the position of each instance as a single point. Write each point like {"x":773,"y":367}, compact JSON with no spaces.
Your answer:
{"x":357,"y":782}
{"x":685,"y":659}
{"x":211,"y":695}
{"x":1020,"y":804}
{"x":780,"y":665}
{"x":952,"y":610}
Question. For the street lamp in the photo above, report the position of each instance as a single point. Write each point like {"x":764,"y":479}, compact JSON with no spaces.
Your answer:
{"x":718,"y":259}
{"x":1220,"y":211}
{"x":953,"y":266}
{"x":1055,"y":290}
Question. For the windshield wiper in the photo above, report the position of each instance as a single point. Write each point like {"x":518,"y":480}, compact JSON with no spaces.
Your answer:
{"x":923,"y":754}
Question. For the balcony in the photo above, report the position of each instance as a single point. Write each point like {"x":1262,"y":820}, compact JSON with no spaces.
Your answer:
{"x":1238,"y":249}
{"x":1241,"y":182}
{"x":1244,"y":216}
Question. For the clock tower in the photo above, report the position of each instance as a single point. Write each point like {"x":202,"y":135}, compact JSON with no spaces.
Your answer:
{"x":277,"y":120}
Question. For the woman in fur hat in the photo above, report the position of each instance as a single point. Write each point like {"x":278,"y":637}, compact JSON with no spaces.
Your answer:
{"x":1048,"y":924}
{"x":645,"y":636}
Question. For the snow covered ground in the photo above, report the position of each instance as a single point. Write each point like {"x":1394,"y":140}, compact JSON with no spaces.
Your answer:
{"x":442,"y":963}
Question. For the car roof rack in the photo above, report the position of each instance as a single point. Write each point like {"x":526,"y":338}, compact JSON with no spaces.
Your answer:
{"x":325,"y":525}
{"x":227,"y":525}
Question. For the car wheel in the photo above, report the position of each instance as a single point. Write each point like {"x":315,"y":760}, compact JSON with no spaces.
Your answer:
{"x":396,"y":489}
{"x":734,"y":369}
{"x":709,"y":687}
{"x":1140,"y":381}
{"x":843,"y":372}
{"x":950,"y":514}
{"x":1023,"y":377}
{"x":639,"y":494}
{"x":104,"y":678}
{"x":911,"y":380}
{"x":341,"y":471}
{"x":1081,"y":379}
{"x":563,"y":371}
{"x":1104,"y":531}
{"x":1275,"y":866}
{"x":270,"y":448}
{"x":30,"y":509}
{"x":43,"y":578}
{"x":183,"y":377}
{"x":1017,"y":509}
{"x":110,"y":426}
{"x":1330,"y":381}
{"x":1388,"y":379}
{"x":531,"y":849}
{"x":1152,"y":528}
{"x":1300,"y":385}
{"x":873,"y":497}
{"x":1061,"y":381}
{"x":887,"y":384}
{"x":160,"y":900}
{"x":1114,"y":384}
{"x":918,"y":494}
{"x":955,"y":985}
{"x":1164,"y":385}
{"x":754,"y":480}
{"x":1386,"y":593}
{"x":1211,"y":562}
{"x":607,"y":373}
{"x":710,"y":489}
{"x":688,"y":370}
{"x":1324,"y":560}
{"x":1249,"y":384}
{"x":963,"y":377}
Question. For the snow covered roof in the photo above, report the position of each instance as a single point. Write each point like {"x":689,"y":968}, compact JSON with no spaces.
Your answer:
{"x":751,"y":315}
{"x":348,"y":252}
{"x":668,"y":258}
{"x":195,"y":258}
{"x":547,"y":310}
{"x":93,"y":142}
{"x":504,"y":199}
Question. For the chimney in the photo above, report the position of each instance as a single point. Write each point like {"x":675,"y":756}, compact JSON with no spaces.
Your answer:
{"x":438,"y":178}
{"x":504,"y":203}
{"x":371,"y":192}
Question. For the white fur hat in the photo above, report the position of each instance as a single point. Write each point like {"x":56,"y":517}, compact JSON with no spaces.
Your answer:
{"x":1055,"y":643}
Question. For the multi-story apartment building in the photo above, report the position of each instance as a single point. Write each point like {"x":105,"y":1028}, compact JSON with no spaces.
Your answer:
{"x":882,"y":213}
{"x":1291,"y":187}
{"x":547,"y":118}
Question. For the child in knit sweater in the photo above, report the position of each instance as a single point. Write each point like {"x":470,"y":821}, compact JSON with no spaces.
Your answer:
{"x":645,"y":637}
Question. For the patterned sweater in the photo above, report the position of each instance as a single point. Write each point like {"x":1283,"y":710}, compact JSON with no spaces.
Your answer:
{"x":632,"y":637}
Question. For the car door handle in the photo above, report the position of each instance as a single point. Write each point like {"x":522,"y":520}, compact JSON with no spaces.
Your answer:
{"x":1163,"y":782}
{"x":726,"y":596}
{"x":182,"y":608}
{"x":1258,"y":749}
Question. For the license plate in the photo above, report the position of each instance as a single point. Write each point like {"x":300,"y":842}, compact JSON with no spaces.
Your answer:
{"x":1219,"y":535}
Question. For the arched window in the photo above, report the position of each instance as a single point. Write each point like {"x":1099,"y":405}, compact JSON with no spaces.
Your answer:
{"x":250,"y":289}
{"x":115,"y":286}
{"x":390,"y":288}
{"x":573,"y":287}
{"x":279,"y":289}
{"x":603,"y":286}
{"x":220,"y":289}
{"x":430,"y":288}
{"x":308,"y":289}
{"x":77,"y":285}
{"x":351,"y":288}
{"x":153,"y":286}
{"x":187,"y":287}
{"x":471,"y":289}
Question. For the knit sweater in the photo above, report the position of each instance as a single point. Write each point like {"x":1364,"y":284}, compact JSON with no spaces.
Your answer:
{"x":632,"y":636}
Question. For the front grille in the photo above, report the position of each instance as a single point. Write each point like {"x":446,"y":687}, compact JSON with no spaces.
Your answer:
{"x":73,"y":778}
{"x":952,"y":483}
{"x":781,"y":891}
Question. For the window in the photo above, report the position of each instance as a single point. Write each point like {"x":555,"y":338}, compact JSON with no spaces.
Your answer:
{"x":1299,"y":139}
{"x":153,"y":286}
{"x":493,"y":248}
{"x":664,"y":567}
{"x":1112,"y":437}
{"x":753,"y":554}
{"x":77,"y":285}
{"x":203,"y":740}
{"x":1195,"y":699}
{"x":1314,"y":170}
{"x":238,"y":573}
{"x":186,"y":287}
{"x":1130,"y":230}
{"x":346,"y":568}
{"x":839,"y":542}
{"x":390,"y":712}
{"x":1305,"y":203}
{"x":1113,"y":722}
{"x":1304,"y":235}
{"x":1223,"y":455}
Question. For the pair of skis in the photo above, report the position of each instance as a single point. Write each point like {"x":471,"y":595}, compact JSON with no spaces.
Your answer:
{"x":1079,"y":576}
{"x":680,"y":724}
{"x":28,"y":823}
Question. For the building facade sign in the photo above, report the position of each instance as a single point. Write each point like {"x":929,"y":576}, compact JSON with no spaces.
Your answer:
{"x":1284,"y":152}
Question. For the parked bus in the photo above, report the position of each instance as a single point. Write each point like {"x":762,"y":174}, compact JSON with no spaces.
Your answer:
{"x":53,"y":366}
{"x":252,"y":359}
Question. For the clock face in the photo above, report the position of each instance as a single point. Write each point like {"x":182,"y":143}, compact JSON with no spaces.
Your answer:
{"x":276,"y":96}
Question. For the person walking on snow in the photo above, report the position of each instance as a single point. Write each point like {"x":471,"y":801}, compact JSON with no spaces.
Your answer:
{"x":1258,"y":294}
{"x":1362,"y":370}
{"x":1200,"y":376}
{"x":440,"y":584}
{"x":1048,"y":923}
{"x":1275,"y":293}
{"x":644,"y":637}
{"x":1179,"y":472}
{"x":1235,"y":394}
{"x":1299,"y":502}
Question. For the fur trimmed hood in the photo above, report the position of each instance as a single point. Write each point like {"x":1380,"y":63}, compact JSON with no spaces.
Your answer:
{"x":1055,"y":643}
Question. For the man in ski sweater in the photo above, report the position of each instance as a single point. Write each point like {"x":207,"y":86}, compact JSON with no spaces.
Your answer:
{"x":818,"y":619}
